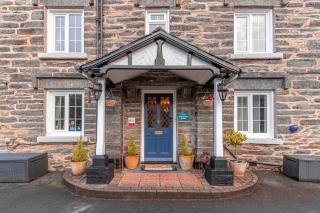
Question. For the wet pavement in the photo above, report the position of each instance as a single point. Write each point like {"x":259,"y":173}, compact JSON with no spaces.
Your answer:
{"x":273,"y":193}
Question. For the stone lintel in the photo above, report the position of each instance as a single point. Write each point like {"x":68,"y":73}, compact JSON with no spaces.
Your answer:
{"x":256,"y":3}
{"x":158,"y":3}
{"x":258,"y":84}
{"x":261,"y":81}
{"x":59,"y":80}
{"x":60,"y":3}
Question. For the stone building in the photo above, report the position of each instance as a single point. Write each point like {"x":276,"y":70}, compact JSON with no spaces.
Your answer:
{"x":159,"y":78}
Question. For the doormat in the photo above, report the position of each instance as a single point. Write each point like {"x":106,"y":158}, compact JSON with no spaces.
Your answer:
{"x":158,"y":167}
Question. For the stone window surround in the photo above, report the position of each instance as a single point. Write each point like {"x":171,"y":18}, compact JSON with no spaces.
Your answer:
{"x":60,"y":136}
{"x":256,"y":138}
{"x":163,"y":11}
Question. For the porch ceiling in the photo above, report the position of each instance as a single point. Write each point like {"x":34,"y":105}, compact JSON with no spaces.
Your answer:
{"x":159,"y":51}
{"x":200,"y":76}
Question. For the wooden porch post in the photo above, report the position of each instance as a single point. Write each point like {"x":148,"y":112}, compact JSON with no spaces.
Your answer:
{"x":217,"y":172}
{"x":100,"y":172}
{"x":218,"y":129}
{"x":100,"y":134}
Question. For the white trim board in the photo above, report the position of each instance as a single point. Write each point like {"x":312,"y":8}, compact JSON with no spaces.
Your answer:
{"x":159,"y":91}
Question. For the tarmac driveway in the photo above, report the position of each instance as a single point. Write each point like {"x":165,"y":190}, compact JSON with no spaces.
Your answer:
{"x":274,"y":193}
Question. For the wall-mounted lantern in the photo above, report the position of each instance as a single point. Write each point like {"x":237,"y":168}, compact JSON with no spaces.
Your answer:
{"x":223,"y":92}
{"x":97,"y":90}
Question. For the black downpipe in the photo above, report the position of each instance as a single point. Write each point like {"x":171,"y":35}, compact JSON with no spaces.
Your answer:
{"x":99,"y":5}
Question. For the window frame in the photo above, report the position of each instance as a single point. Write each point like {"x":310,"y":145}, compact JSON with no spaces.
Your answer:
{"x":270,"y":113}
{"x":269,"y":29}
{"x":148,"y":20}
{"x":51,"y":29}
{"x":50,"y":109}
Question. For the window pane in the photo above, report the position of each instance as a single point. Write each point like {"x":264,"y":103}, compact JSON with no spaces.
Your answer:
{"x":152,"y":112}
{"x":157,"y":17}
{"x":242,"y":113}
{"x":59,"y":112}
{"x":75,"y":33}
{"x":59,"y":33}
{"x":152,"y":27}
{"x":165,"y":107}
{"x":241,"y":31}
{"x":259,"y":113}
{"x":259,"y":33}
{"x":75,"y":112}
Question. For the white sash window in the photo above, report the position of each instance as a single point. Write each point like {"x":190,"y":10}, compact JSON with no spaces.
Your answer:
{"x":155,"y":18}
{"x":254,"y":114}
{"x":65,"y":113}
{"x":65,"y":31}
{"x":253,"y":31}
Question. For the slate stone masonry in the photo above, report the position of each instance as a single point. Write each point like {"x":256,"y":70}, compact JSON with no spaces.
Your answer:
{"x":206,"y":24}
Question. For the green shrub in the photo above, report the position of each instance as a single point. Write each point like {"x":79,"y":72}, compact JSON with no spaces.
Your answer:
{"x":79,"y":154}
{"x":234,"y":139}
{"x":132,"y":147}
{"x":184,"y":147}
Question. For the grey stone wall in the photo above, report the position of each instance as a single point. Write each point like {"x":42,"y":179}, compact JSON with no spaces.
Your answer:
{"x":206,"y":24}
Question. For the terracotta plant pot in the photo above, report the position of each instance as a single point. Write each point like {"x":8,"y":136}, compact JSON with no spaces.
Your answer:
{"x":78,"y":168}
{"x":131,"y":161}
{"x":186,"y":162}
{"x":238,"y":167}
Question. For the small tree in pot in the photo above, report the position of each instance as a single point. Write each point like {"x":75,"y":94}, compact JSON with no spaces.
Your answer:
{"x":186,"y":157}
{"x":131,"y":158}
{"x":234,"y":139}
{"x":79,"y":158}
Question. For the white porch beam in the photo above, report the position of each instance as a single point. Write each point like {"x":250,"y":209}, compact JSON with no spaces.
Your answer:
{"x":218,"y":130}
{"x":100,"y":141}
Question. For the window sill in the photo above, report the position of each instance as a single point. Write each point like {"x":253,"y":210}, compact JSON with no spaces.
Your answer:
{"x":257,"y":56}
{"x":63,"y":56}
{"x":266,"y":141}
{"x":59,"y":139}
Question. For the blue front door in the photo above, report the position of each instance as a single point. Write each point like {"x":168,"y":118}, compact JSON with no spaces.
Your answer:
{"x":158,"y":127}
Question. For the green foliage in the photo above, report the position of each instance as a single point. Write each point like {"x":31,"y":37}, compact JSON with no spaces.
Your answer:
{"x":132,"y":147}
{"x":234,"y":139}
{"x":184,"y":148}
{"x":79,"y":154}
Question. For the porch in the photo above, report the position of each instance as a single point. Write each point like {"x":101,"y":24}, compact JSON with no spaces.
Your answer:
{"x":154,"y":68}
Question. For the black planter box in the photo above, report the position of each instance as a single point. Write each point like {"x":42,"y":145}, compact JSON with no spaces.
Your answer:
{"x":22,"y":167}
{"x":302,"y":167}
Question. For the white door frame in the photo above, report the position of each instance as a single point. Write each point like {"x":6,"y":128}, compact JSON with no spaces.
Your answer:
{"x":159,"y":91}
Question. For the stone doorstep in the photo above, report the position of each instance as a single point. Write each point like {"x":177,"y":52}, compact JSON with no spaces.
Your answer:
{"x":243,"y":186}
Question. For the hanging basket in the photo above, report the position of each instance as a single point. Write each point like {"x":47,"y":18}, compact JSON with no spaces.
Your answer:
{"x":207,"y":101}
{"x":111,"y":103}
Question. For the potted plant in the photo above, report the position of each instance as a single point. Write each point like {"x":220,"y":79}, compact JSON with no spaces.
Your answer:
{"x":186,"y":157}
{"x":131,"y":159}
{"x":234,"y":139}
{"x":79,"y":158}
